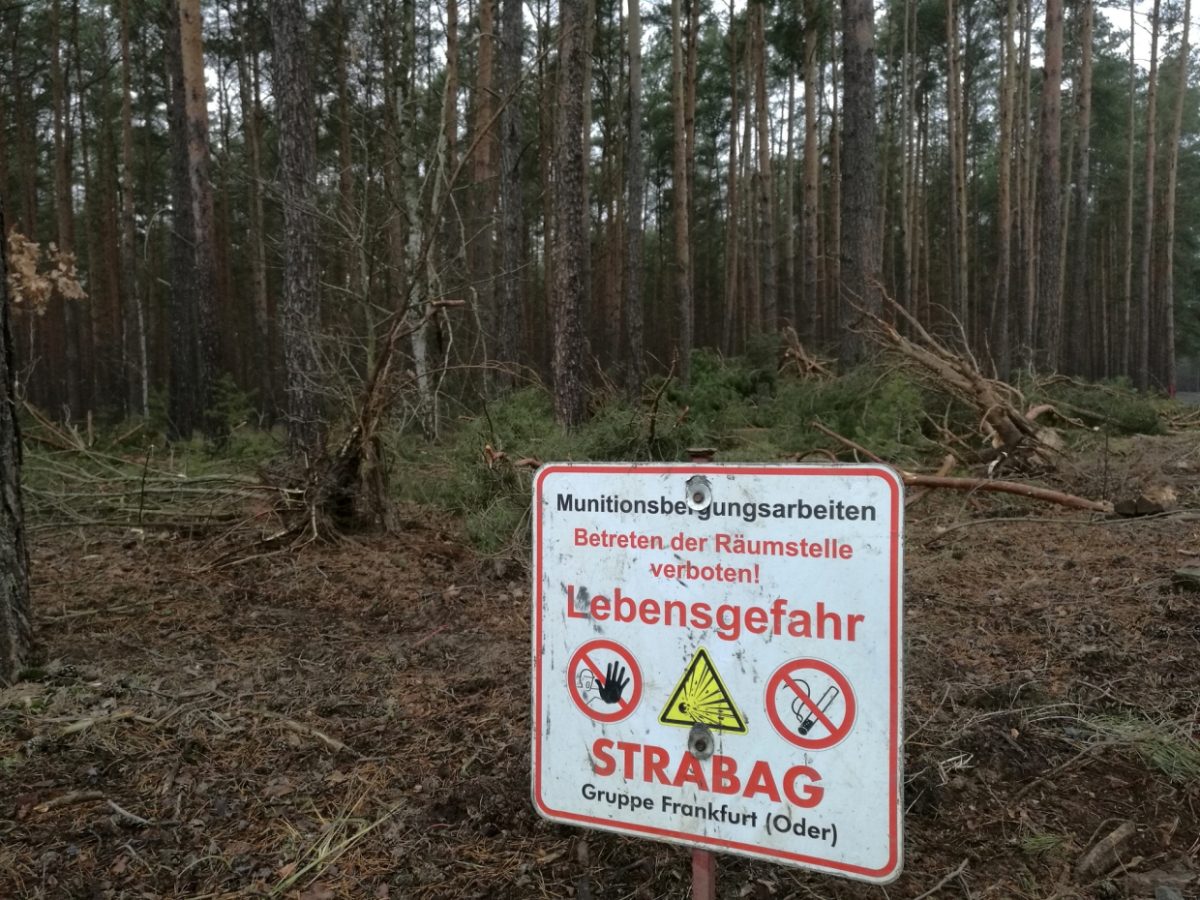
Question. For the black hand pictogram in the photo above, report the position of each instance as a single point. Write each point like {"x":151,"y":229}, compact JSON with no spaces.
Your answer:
{"x":615,"y":681}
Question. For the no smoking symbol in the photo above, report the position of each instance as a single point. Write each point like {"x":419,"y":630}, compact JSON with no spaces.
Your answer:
{"x":604,"y":680}
{"x":810,"y":703}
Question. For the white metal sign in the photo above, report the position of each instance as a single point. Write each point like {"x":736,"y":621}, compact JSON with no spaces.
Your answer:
{"x":717,"y":658}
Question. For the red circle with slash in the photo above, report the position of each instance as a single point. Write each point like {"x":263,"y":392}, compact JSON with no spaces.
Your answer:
{"x":793,"y":677}
{"x":592,"y":657}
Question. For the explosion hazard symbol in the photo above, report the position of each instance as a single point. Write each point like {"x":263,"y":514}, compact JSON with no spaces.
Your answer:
{"x":702,"y":697}
{"x":605,"y":681}
{"x":810,"y":703}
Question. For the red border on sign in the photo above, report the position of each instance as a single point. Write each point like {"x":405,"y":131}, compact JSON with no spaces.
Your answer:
{"x":891,"y":868}
{"x":784,"y":674}
{"x":628,"y":704}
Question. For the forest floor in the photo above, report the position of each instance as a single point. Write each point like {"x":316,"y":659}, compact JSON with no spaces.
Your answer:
{"x":352,"y":719}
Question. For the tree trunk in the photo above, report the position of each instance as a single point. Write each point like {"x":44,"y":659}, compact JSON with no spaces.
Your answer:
{"x":1125,"y":364}
{"x":810,"y":225}
{"x":510,"y":318}
{"x":1081,"y":327}
{"x":15,"y":618}
{"x":765,"y":193}
{"x":792,"y":312}
{"x":63,"y":205}
{"x":570,"y":350}
{"x":1048,"y":308}
{"x":249,"y":101}
{"x":137,"y":375}
{"x":634,"y":211}
{"x":1165,"y":367}
{"x":1000,"y":333}
{"x":679,"y":201}
{"x":300,"y":312}
{"x":860,"y":247}
{"x":1142,"y":373}
{"x":955,"y":138}
{"x":481,"y":250}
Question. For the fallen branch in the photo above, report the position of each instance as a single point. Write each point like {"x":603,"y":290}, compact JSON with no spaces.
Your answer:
{"x":949,"y":876}
{"x":1007,"y":487}
{"x":914,"y":479}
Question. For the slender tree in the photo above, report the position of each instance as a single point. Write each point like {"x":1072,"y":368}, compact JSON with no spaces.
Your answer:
{"x":570,"y":245}
{"x":634,"y":192}
{"x":1075,"y":346}
{"x":679,"y":201}
{"x":510,"y":315}
{"x":15,"y":619}
{"x":1141,"y":374}
{"x":860,"y":246}
{"x":1166,"y":365}
{"x":1049,"y":281}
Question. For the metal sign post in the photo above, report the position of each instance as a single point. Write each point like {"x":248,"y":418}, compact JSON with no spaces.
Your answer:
{"x":717,"y":660}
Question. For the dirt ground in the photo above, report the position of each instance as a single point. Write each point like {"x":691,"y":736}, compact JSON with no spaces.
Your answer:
{"x":352,"y":720}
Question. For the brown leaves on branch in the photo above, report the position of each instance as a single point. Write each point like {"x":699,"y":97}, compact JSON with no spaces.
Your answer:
{"x":36,"y":276}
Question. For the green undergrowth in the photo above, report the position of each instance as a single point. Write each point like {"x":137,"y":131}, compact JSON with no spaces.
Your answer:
{"x":1113,"y":407}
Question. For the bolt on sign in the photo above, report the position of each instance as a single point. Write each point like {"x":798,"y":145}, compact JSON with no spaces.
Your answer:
{"x":717,"y":658}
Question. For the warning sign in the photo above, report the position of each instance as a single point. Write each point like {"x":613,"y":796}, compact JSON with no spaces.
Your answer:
{"x":605,"y":681}
{"x":810,"y":703}
{"x":702,"y":698}
{"x":716,"y":658}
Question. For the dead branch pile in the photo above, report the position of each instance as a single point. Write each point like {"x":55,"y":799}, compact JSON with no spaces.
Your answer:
{"x":69,"y":482}
{"x":998,"y":404}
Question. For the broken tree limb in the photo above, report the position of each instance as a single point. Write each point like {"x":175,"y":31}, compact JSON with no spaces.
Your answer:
{"x":914,"y":479}
{"x":1033,"y":492}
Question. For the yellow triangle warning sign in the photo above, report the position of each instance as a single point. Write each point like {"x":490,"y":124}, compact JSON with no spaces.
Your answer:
{"x":702,"y":697}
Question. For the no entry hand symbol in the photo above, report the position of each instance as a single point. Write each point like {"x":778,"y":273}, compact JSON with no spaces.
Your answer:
{"x":604,"y":680}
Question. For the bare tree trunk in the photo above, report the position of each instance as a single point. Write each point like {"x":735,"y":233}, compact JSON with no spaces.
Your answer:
{"x":1078,"y":342}
{"x":137,"y":375}
{"x":1049,"y":293}
{"x":810,"y":207}
{"x":450,"y":103}
{"x":249,"y":101}
{"x":1125,"y":364}
{"x":1165,"y":367}
{"x":732,"y":205}
{"x":570,"y":350}
{"x":634,"y":189}
{"x":63,"y":205}
{"x":298,"y":176}
{"x":765,"y":193}
{"x":834,"y":288}
{"x":792,"y":312}
{"x":510,"y":318}
{"x":679,"y":170}
{"x":1142,"y":374}
{"x":15,"y":618}
{"x":1001,"y":342}
{"x":954,"y":132}
{"x":860,"y":247}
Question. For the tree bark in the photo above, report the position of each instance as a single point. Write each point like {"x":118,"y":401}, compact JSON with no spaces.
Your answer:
{"x":764,"y":182}
{"x":1000,"y":332}
{"x":1166,"y":366}
{"x":634,"y":211}
{"x":137,"y":375}
{"x":680,"y":201}
{"x":570,"y":350}
{"x":1125,"y":363}
{"x":300,"y":312}
{"x":64,"y":212}
{"x":1081,"y":327}
{"x":1049,"y":291}
{"x":15,"y":618}
{"x":860,"y":247}
{"x":810,"y":207}
{"x":1142,"y":373}
{"x":510,"y":318}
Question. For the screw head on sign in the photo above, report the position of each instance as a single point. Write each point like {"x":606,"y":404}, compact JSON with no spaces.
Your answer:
{"x":698,"y":492}
{"x":700,"y":741}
